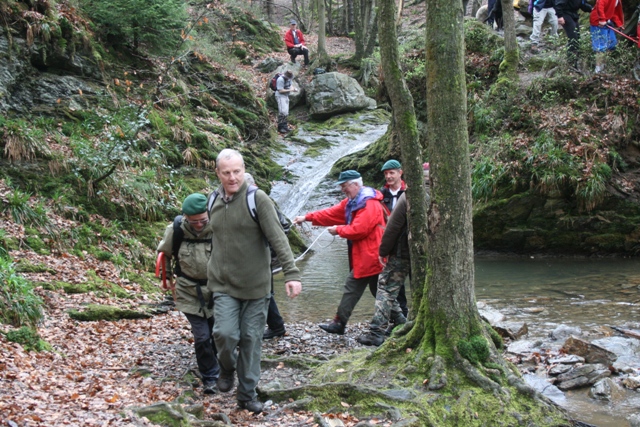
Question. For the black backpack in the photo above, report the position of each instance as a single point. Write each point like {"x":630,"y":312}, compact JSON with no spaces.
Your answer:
{"x":273,"y":83}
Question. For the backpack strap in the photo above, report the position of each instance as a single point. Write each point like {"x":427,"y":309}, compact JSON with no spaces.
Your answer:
{"x":251,"y":203}
{"x":178,"y":237}
{"x":210,"y":201}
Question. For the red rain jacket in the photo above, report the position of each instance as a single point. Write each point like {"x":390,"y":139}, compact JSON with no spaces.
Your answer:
{"x":364,"y":232}
{"x":605,"y":10}
{"x":288,"y":38}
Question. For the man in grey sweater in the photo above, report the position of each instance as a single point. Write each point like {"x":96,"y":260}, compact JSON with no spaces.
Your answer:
{"x":239,"y":275}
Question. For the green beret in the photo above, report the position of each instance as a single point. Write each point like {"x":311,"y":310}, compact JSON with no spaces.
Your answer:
{"x":194,"y":204}
{"x":391,"y":164}
{"x":349,"y":175}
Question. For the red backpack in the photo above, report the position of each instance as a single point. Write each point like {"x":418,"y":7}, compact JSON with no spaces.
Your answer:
{"x":273,"y":83}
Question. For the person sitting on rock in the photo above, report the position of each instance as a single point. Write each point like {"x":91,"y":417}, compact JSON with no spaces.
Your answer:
{"x":294,"y":40}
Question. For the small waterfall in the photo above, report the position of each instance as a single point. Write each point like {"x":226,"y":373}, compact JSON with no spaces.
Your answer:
{"x":309,"y":172}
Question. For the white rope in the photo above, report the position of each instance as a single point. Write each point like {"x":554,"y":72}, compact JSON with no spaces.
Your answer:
{"x":303,"y":253}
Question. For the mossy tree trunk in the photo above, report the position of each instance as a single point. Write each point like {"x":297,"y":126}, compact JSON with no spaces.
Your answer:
{"x":323,"y":59}
{"x":509,"y":66}
{"x":447,"y":330}
{"x":448,"y":312}
{"x":405,"y":131}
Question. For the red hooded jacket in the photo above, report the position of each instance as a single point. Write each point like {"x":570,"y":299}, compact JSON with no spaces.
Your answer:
{"x":605,"y":10}
{"x":288,"y":38}
{"x":364,"y":232}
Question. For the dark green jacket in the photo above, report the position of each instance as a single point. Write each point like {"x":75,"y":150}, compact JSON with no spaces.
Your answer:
{"x":240,"y":265}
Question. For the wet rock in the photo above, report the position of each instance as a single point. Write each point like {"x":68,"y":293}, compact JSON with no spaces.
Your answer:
{"x":566,"y":360}
{"x":581,"y":376}
{"x":634,"y":420}
{"x":606,"y":389}
{"x":559,"y":369}
{"x":627,"y":364}
{"x":592,"y":353}
{"x":489,"y":314}
{"x":523,"y":347}
{"x":533,"y":310}
{"x":562,"y":332}
{"x":513,"y":330}
{"x":544,"y":387}
{"x":631,"y":382}
{"x":621,"y":346}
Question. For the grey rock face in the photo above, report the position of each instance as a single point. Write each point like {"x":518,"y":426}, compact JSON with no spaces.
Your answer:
{"x":334,"y":93}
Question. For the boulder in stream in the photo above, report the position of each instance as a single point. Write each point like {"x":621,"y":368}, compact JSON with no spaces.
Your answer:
{"x":592,"y":353}
{"x":335,"y":93}
{"x":606,"y":389}
{"x":582,"y":376}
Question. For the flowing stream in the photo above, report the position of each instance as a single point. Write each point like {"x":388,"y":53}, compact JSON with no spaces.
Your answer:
{"x":544,"y":292}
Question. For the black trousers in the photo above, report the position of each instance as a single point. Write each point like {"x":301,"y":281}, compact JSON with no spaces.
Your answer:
{"x":295,"y":51}
{"x":571,"y":28}
{"x":205,"y":348}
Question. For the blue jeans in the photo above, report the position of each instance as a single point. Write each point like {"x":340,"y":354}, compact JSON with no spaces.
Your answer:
{"x":602,"y":39}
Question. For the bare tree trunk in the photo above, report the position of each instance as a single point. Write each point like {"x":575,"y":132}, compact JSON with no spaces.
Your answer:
{"x":509,"y":66}
{"x":269,"y":9}
{"x":323,"y":58}
{"x":399,"y":9}
{"x":365,"y":29}
{"x":405,"y":130}
{"x":329,"y":7}
{"x":350,"y":16}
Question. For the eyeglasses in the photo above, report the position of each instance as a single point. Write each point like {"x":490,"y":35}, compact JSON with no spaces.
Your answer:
{"x":198,"y":221}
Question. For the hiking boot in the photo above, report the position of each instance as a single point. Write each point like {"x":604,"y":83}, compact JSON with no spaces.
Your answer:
{"x":273,"y":333}
{"x":400,"y":320}
{"x":225,"y":382}
{"x":370,"y":339}
{"x":335,"y":327}
{"x":209,"y":387}
{"x":254,"y":405}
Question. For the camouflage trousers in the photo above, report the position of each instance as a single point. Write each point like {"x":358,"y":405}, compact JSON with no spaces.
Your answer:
{"x":389,"y":283}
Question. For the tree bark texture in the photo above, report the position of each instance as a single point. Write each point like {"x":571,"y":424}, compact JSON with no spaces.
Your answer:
{"x":364,"y":28}
{"x":350,"y":7}
{"x":405,"y":130}
{"x":509,"y":66}
{"x":449,"y":306}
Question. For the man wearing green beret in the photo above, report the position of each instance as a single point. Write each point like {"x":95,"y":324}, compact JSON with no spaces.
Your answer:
{"x":393,"y":188}
{"x":188,"y":240}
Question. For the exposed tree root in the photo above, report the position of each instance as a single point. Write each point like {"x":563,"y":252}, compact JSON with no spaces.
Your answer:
{"x":342,"y":391}
{"x":299,"y":362}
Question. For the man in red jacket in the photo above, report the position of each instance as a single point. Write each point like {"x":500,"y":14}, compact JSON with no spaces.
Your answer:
{"x":605,"y":13}
{"x":294,"y":40}
{"x":360,"y":219}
